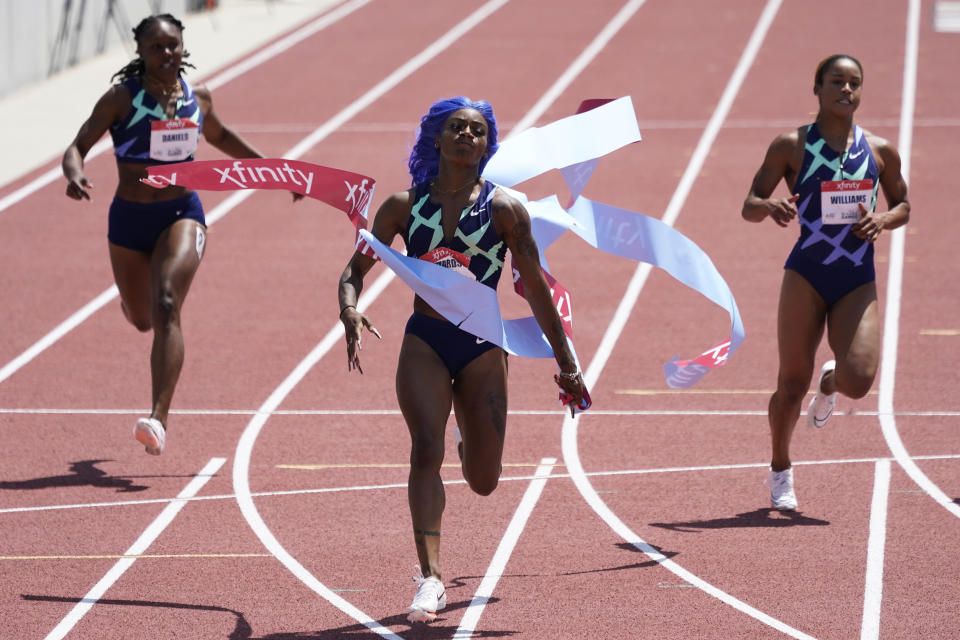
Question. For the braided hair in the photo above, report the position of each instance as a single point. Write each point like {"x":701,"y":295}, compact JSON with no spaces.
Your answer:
{"x":136,"y":67}
{"x":424,"y":161}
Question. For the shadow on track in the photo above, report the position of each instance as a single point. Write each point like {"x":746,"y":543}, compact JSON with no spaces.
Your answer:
{"x":626,"y":546}
{"x":758,"y":518}
{"x":82,"y":473}
{"x":241,"y":630}
{"x":433,"y":631}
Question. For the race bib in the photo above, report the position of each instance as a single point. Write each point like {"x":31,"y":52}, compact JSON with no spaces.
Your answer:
{"x":173,"y":140}
{"x":839,"y":200}
{"x":450,"y":259}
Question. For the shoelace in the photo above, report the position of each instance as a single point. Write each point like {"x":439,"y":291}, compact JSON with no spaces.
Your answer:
{"x":428,"y":591}
{"x":778,"y":481}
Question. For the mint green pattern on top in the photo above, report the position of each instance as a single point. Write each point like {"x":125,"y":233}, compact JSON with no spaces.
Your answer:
{"x":474,"y":250}
{"x":471,"y":242}
{"x":156,"y":111}
{"x":835,"y":166}
{"x":434,"y":222}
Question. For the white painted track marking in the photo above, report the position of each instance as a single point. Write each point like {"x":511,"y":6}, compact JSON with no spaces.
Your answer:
{"x":230,"y":73}
{"x":137,"y":548}
{"x":218,"y":212}
{"x":243,"y":461}
{"x":471,"y":617}
{"x":570,"y":453}
{"x":241,"y":465}
{"x":403,"y":485}
{"x":873,"y":583}
{"x":891,"y":318}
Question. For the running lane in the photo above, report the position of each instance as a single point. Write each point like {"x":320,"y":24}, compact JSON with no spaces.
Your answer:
{"x":328,"y":470}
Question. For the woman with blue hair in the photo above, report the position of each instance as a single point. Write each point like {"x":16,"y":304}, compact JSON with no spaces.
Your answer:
{"x":453,"y":217}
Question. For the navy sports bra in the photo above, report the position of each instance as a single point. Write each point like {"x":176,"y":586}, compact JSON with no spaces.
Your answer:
{"x":475,"y":241}
{"x":147,"y":136}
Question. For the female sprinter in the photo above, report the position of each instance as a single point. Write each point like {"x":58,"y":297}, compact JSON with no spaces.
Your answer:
{"x":451,"y":207}
{"x":156,"y":236}
{"x":828,"y":279}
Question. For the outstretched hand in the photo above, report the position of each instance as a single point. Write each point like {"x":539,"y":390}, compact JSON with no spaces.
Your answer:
{"x":573,"y":391}
{"x":353,"y":323}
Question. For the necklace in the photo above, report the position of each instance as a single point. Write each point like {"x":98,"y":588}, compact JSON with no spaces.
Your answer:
{"x":447,"y":192}
{"x":167,"y":91}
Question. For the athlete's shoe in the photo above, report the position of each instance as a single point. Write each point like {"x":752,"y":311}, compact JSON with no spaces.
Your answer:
{"x":821,"y":407}
{"x":151,"y":434}
{"x":430,"y":598}
{"x":458,"y":441}
{"x":782,"y":496}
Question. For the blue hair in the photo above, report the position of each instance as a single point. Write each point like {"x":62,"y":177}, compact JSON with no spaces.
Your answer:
{"x":424,"y":162}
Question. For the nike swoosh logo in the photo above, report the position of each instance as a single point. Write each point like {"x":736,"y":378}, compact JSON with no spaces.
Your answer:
{"x":856,"y":155}
{"x":820,"y":422}
{"x":477,"y":212}
{"x":480,"y":340}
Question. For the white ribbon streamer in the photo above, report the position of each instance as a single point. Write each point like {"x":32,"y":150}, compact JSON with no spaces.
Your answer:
{"x":573,"y":146}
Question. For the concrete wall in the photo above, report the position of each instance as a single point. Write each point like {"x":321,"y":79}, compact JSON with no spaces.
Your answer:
{"x":39,"y":38}
{"x":47,"y":113}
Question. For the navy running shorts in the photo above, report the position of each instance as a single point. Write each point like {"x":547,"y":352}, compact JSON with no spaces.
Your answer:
{"x":138,"y":225}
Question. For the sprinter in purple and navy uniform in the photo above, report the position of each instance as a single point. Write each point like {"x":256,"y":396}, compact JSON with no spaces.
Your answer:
{"x":453,"y":217}
{"x":833,"y":169}
{"x":156,"y":236}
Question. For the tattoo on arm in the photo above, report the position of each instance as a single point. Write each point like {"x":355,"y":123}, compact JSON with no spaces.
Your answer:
{"x":523,"y":239}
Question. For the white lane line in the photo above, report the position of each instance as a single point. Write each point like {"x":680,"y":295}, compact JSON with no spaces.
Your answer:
{"x":218,"y":80}
{"x":502,"y":555}
{"x":891,"y":319}
{"x":873,"y":584}
{"x":403,"y":485}
{"x":507,"y":543}
{"x":284,"y":44}
{"x":136,"y":549}
{"x":513,"y":412}
{"x":241,"y":465}
{"x":645,"y":125}
{"x":218,"y":212}
{"x":571,"y":455}
{"x":535,"y":112}
{"x":241,"y":469}
{"x":58,"y":332}
{"x":579,"y":64}
{"x":946,"y":17}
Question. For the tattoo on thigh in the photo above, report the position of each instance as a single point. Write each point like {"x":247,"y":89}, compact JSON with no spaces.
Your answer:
{"x":201,"y":242}
{"x":497,"y":403}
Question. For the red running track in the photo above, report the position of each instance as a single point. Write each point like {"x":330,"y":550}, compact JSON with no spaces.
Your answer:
{"x":303,"y":530}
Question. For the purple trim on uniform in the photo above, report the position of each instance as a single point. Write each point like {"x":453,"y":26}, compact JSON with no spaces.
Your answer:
{"x":456,"y":347}
{"x":137,"y":225}
{"x":831,"y":257}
